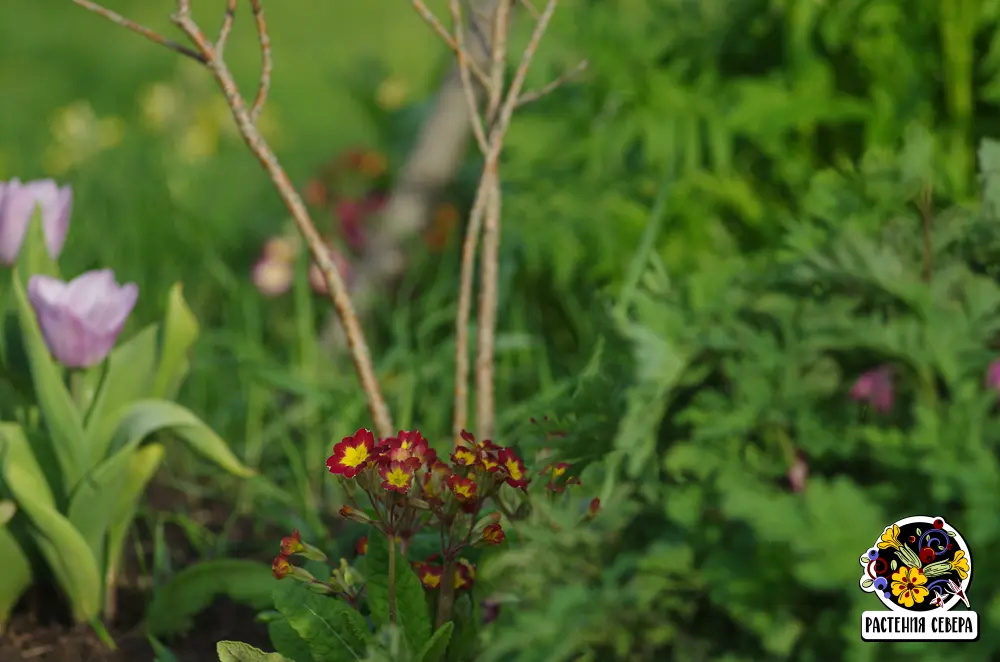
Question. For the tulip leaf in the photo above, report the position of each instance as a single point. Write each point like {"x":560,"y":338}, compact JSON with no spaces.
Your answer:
{"x":16,"y":575}
{"x":180,"y":330}
{"x":62,"y":418}
{"x":64,"y":549}
{"x":145,"y":417}
{"x":143,"y":464}
{"x":34,"y":256}
{"x":128,"y":376}
{"x":92,"y":504}
{"x":7,"y":511}
{"x":179,"y":600}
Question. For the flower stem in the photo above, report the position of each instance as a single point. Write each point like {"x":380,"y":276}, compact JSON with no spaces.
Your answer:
{"x":392,"y":579}
{"x":446,"y":596}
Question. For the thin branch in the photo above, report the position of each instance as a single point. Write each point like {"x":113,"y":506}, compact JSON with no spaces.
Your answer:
{"x":452,"y":42}
{"x":489,"y":268}
{"x":531,"y":8}
{"x":535,"y":95}
{"x":227,"y":27}
{"x":266,"y":63}
{"x":464,"y":62}
{"x":208,"y":54}
{"x":498,"y":51}
{"x":139,"y":29}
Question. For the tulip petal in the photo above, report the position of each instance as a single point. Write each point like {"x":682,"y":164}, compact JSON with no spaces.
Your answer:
{"x":16,"y":208}
{"x":81,"y":320}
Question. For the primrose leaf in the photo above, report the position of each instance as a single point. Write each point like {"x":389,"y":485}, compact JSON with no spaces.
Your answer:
{"x":331,"y":628}
{"x":236,"y":651}
{"x":192,"y":590}
{"x":287,"y":641}
{"x":413,"y":616}
{"x":437,"y":646}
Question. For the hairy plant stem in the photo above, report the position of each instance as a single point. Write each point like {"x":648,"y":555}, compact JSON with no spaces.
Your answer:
{"x":446,"y":594}
{"x":392,"y":578}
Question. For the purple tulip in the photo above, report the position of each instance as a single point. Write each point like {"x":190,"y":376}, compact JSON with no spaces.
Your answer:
{"x":993,"y":376}
{"x":81,"y":320}
{"x":875,"y":388}
{"x":17,"y":205}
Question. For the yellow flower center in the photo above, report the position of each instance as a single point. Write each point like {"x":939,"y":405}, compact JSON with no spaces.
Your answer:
{"x":514,"y":470}
{"x":355,"y":456}
{"x":397,"y":477}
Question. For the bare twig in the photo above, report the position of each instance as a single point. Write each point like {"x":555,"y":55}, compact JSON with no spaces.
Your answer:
{"x":531,"y":9}
{"x":227,"y":27}
{"x":535,"y":95}
{"x":501,"y":24}
{"x":244,"y":117}
{"x":115,"y":17}
{"x":464,"y":63}
{"x":452,"y":42}
{"x":266,"y":63}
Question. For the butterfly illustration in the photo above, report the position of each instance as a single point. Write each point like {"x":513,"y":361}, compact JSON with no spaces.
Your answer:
{"x":955,"y":589}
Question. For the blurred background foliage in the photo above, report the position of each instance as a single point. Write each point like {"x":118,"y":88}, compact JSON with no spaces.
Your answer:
{"x":705,"y":240}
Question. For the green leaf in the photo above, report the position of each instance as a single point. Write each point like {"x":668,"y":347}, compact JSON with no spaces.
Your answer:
{"x":180,"y":330}
{"x":142,"y":467}
{"x":333,"y":630}
{"x":463,"y":641}
{"x":64,"y":549}
{"x":7,"y":511}
{"x":93,"y":503}
{"x":867,"y":583}
{"x":413,"y":616}
{"x":235,"y":651}
{"x":192,"y":590}
{"x":141,"y":419}
{"x":16,"y":575}
{"x":287,"y":641}
{"x":128,"y":376}
{"x":435,"y":649}
{"x":62,"y":419}
{"x":34,"y":256}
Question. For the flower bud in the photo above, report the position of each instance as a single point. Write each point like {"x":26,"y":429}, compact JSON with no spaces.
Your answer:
{"x":355,"y":515}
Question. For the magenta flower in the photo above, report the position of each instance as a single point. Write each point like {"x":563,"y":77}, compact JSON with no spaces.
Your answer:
{"x":318,"y":281}
{"x":81,"y":320}
{"x":17,"y":204}
{"x":798,"y":473}
{"x":993,"y":376}
{"x":875,"y":388}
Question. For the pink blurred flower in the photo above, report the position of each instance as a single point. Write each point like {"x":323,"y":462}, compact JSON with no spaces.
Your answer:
{"x":318,"y":281}
{"x":354,"y":213}
{"x":17,"y":205}
{"x":798,"y":473}
{"x":875,"y":388}
{"x":273,"y":276}
{"x":993,"y":376}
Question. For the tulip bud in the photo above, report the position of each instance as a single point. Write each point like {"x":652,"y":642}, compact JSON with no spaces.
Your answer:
{"x":81,"y":320}
{"x":17,"y":206}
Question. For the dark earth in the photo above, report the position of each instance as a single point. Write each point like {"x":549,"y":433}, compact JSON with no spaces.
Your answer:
{"x":40,"y":629}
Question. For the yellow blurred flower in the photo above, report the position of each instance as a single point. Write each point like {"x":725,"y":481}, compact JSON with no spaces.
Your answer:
{"x":159,"y":104}
{"x":391,"y":94}
{"x":79,"y":135}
